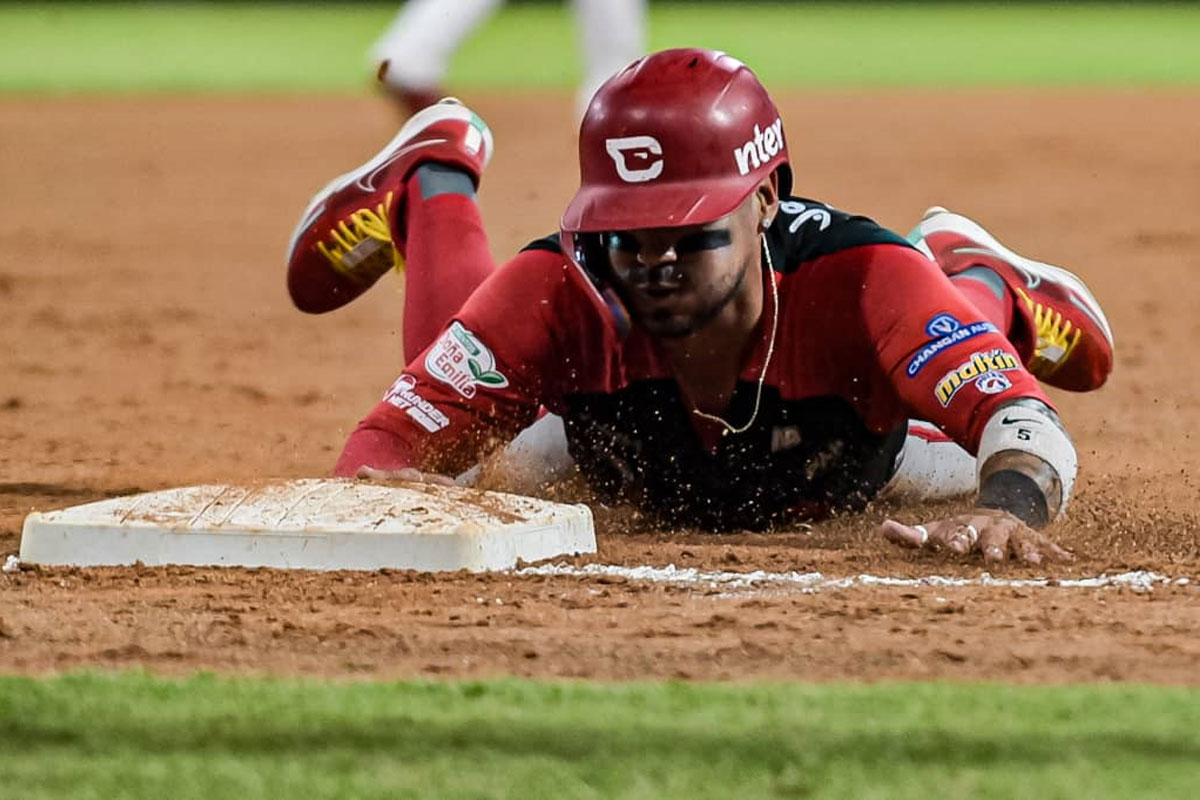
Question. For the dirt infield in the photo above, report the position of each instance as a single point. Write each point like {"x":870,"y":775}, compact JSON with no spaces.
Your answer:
{"x":148,"y":342}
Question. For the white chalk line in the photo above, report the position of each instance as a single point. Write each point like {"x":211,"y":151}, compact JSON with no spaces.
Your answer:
{"x":811,"y":582}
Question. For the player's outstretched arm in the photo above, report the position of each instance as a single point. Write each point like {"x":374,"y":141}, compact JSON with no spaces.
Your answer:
{"x":478,"y":384}
{"x":956,"y":370}
{"x":447,"y":409}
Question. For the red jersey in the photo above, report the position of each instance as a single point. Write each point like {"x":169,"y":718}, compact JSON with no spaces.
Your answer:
{"x":870,"y":334}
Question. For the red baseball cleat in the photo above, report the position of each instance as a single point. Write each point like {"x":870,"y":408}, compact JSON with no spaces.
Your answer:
{"x":1072,"y":341}
{"x":346,"y":239}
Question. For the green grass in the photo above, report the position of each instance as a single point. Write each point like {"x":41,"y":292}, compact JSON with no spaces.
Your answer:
{"x":99,"y":47}
{"x":129,"y":735}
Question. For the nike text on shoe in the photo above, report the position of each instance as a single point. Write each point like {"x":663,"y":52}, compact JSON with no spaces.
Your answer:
{"x":1072,"y":343}
{"x":347,"y":236}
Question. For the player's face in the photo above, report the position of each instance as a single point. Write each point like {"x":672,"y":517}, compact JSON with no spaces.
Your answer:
{"x":678,"y":279}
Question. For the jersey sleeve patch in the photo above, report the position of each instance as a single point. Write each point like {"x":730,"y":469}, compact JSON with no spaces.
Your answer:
{"x":945,"y":331}
{"x":459,"y":359}
{"x":985,"y":370}
{"x":404,"y":396}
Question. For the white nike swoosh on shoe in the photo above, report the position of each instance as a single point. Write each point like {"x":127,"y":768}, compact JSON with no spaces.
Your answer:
{"x":367,"y":183}
{"x":1033,"y":281}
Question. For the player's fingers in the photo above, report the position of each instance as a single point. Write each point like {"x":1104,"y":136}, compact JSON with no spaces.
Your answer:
{"x":904,"y":535}
{"x":1046,"y":548}
{"x":993,"y":542}
{"x":1025,"y":546}
{"x":375,"y":474}
{"x":437,"y":479}
{"x":417,"y":476}
{"x":370,"y":473}
{"x":959,"y":538}
{"x":1061,"y":553}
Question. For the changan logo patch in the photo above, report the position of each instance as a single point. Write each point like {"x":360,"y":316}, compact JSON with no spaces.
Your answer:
{"x":954,"y":334}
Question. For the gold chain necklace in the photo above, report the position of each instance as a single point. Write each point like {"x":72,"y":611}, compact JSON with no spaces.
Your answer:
{"x":762,"y":377}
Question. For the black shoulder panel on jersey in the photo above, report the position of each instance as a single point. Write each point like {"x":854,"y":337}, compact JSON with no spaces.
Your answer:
{"x":805,"y":230}
{"x":550,"y":244}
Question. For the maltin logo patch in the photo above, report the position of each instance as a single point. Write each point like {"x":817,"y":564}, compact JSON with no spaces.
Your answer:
{"x":461,"y":360}
{"x":986,"y":368}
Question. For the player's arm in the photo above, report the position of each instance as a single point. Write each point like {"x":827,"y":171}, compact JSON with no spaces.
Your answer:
{"x":475,"y":387}
{"x":953,"y":368}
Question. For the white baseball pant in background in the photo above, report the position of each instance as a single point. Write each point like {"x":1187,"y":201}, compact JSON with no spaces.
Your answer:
{"x":426,"y":33}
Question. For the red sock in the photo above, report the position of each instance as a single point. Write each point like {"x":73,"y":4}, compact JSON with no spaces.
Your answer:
{"x":982,"y":292}
{"x":445,"y":251}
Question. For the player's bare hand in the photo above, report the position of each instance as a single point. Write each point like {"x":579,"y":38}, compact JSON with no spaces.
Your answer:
{"x":997,"y":535}
{"x":410,"y":474}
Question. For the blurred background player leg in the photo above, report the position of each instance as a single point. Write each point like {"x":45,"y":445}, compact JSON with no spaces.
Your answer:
{"x":411,"y":206}
{"x":612,"y":34}
{"x":413,"y":55}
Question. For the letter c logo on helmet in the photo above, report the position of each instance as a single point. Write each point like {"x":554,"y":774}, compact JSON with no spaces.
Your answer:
{"x":629,"y":151}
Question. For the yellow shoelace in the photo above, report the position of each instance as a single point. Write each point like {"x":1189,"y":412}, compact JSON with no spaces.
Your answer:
{"x":1056,"y":337}
{"x":362,"y":248}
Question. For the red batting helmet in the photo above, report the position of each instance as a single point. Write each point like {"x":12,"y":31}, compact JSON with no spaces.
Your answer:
{"x":679,"y":137}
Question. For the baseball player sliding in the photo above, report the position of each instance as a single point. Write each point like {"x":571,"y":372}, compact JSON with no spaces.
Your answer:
{"x":708,"y":345}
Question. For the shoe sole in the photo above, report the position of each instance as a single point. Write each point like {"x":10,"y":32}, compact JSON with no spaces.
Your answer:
{"x":937,"y":220}
{"x":438,"y":112}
